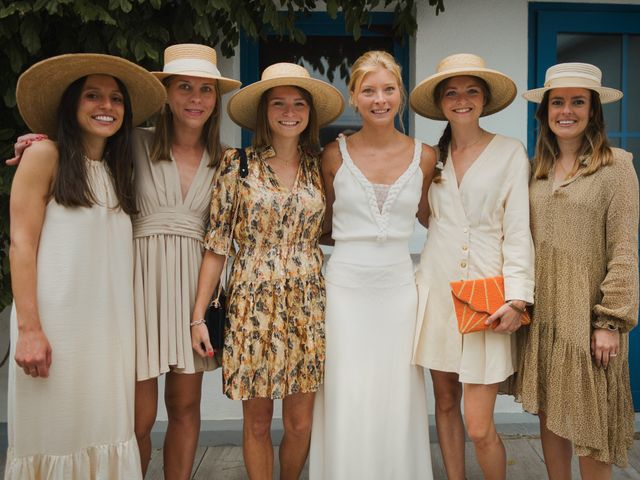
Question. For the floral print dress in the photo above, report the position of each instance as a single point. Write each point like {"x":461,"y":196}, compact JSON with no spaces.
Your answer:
{"x":274,"y":343}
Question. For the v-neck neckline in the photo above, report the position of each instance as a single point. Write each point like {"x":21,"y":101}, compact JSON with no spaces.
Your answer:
{"x":480,"y":156}
{"x":188,"y":195}
{"x":280,"y":184}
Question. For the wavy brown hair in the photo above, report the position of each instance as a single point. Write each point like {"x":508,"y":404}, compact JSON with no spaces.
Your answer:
{"x":445,"y":139}
{"x":594,"y":152}
{"x":71,"y":186}
{"x":309,"y":138}
{"x":164,"y":133}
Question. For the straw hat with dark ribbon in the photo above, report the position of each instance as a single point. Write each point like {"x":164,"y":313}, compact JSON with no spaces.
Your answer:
{"x":503,"y":89}
{"x":40,"y":88}
{"x":327,"y":99}
{"x":195,"y":60}
{"x":574,"y":75}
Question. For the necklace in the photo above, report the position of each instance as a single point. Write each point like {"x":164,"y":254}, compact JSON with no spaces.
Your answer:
{"x":563,"y":170}
{"x":482,"y":132}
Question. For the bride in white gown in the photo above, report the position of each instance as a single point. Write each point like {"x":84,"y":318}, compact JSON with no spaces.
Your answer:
{"x":370,"y":417}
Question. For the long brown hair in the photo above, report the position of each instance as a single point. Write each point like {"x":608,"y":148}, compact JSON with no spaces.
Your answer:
{"x":309,"y":138}
{"x":594,"y":151}
{"x":445,"y":138}
{"x":164,"y":133}
{"x":71,"y":186}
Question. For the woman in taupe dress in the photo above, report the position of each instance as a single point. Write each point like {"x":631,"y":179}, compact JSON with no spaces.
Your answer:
{"x":574,"y":370}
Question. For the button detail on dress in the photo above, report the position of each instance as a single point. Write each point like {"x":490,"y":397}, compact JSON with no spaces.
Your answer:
{"x":465,"y":248}
{"x":463,"y":264}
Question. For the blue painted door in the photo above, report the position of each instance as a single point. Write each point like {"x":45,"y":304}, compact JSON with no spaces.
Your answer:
{"x":607,"y":36}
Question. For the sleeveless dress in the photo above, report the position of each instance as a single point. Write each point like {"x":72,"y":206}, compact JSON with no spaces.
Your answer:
{"x":370,"y":416}
{"x":77,"y":424}
{"x":167,"y":248}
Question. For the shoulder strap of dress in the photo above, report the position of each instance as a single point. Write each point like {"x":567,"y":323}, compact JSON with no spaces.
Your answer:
{"x":244,"y":164}
{"x":417,"y":150}
{"x":342,"y":144}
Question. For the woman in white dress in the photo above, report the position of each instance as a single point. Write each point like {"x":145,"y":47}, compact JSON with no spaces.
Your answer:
{"x":478,"y":228}
{"x":370,"y":419}
{"x":71,"y":402}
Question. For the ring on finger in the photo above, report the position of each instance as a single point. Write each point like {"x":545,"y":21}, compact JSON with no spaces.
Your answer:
{"x":613,"y":355}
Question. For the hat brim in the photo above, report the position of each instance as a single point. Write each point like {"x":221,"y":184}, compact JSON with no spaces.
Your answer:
{"x":327,"y":99}
{"x":503,"y":91}
{"x":225,"y":85}
{"x":607,"y":94}
{"x":40,"y":88}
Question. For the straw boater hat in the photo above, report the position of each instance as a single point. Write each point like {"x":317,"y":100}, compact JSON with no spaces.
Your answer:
{"x":327,"y":100}
{"x":570,"y":75}
{"x":40,"y":88}
{"x":194,"y":60}
{"x":503,"y":89}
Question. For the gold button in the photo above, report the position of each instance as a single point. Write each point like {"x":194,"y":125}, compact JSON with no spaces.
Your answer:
{"x":463,"y":264}
{"x":465,"y":248}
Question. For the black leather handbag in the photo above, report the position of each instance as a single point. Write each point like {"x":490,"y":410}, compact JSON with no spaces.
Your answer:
{"x":216,"y":315}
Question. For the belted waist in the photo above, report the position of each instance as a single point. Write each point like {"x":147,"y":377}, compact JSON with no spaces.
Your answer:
{"x":169,"y":221}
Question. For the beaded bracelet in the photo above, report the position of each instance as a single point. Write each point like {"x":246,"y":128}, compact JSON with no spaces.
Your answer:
{"x":197,"y":322}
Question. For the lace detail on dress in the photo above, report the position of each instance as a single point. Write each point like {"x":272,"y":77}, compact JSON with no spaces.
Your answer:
{"x":381,"y":215}
{"x":382,"y":191}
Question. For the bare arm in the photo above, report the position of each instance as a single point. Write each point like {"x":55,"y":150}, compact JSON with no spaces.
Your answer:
{"x":330,"y":163}
{"x":208,"y":278}
{"x":29,"y":196}
{"x":427,"y":164}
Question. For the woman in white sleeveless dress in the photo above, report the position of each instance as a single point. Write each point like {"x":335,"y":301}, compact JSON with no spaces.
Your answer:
{"x":370,"y":417}
{"x":71,"y":388}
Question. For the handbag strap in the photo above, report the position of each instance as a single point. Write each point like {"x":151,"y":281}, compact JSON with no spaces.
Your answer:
{"x":243,"y":172}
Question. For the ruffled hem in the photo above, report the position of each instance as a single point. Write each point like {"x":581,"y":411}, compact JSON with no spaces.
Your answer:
{"x":115,"y":461}
{"x":590,"y":406}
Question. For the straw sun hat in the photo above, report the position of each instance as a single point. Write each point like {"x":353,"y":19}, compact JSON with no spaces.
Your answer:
{"x":327,"y":99}
{"x":503,"y":89}
{"x":574,"y":75}
{"x":195,"y":60}
{"x":40,"y":88}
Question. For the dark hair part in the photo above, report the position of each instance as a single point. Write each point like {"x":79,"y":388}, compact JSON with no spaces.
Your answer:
{"x":445,"y":139}
{"x":594,"y":151}
{"x":164,"y":132}
{"x":309,"y":138}
{"x":71,"y":186}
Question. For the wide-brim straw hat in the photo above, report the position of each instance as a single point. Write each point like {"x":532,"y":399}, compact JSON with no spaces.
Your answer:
{"x":40,"y":88}
{"x":327,"y":99}
{"x":503,"y":89}
{"x":574,"y":75}
{"x":195,"y":60}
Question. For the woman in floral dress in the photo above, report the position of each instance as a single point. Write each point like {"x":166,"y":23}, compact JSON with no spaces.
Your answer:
{"x":274,"y":343}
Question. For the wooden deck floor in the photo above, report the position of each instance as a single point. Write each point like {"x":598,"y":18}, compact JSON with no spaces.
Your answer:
{"x":524,"y":460}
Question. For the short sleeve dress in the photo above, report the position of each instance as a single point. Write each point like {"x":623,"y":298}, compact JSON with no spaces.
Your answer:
{"x":274,"y":344}
{"x":585,"y":233}
{"x":167,"y":247}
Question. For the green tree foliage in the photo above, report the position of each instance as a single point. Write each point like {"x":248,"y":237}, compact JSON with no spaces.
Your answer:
{"x":31,"y":30}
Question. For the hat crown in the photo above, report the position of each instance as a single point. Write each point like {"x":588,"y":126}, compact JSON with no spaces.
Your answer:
{"x":190,"y":51}
{"x":460,"y":60}
{"x":284,"y":69}
{"x":588,"y":73}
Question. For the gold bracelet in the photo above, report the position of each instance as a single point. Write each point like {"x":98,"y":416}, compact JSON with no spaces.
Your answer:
{"x":521,"y":311}
{"x":197,"y":322}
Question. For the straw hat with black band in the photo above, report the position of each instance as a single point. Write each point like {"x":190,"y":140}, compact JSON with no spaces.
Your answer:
{"x":327,"y":100}
{"x":195,"y":60}
{"x":574,"y":75}
{"x":503,"y":89}
{"x":40,"y":88}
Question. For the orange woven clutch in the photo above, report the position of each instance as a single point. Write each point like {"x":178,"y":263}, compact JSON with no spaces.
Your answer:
{"x":475,"y":300}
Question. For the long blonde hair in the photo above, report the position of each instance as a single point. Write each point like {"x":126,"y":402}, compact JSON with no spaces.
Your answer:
{"x":367,"y":63}
{"x":594,"y":152}
{"x":164,"y":133}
